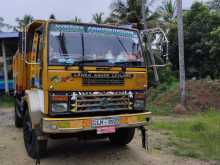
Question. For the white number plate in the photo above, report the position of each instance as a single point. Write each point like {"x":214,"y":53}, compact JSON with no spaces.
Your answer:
{"x":105,"y":122}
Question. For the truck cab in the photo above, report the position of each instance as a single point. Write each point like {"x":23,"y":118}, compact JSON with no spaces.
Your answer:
{"x":79,"y":79}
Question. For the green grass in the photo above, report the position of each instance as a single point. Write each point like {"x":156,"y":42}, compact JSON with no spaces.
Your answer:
{"x":162,"y":110}
{"x":156,"y":103}
{"x":6,"y":101}
{"x":195,"y":136}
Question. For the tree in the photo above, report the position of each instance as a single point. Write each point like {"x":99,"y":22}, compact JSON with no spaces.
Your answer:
{"x":4,"y":25}
{"x":1,"y":23}
{"x":200,"y":26}
{"x":24,"y":21}
{"x":168,"y":13}
{"x":214,"y":51}
{"x":76,"y":20}
{"x":129,"y":12}
{"x":98,"y":18}
{"x":214,"y":4}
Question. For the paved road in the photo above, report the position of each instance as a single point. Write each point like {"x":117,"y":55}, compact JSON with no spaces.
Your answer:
{"x":73,"y":152}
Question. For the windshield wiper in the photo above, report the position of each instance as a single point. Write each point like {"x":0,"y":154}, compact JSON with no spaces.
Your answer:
{"x":63,"y":43}
{"x":130,"y":63}
{"x":122,"y":45}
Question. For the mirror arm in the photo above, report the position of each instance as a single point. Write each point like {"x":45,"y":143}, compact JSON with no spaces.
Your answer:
{"x":158,"y":65}
{"x":31,"y":63}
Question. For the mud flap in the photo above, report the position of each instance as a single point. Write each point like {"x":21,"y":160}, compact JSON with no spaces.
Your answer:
{"x":37,"y":161}
{"x":40,"y":136}
{"x":144,"y":137}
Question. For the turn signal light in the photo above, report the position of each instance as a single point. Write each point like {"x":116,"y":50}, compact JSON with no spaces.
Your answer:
{"x":57,"y":98}
{"x":139,"y":96}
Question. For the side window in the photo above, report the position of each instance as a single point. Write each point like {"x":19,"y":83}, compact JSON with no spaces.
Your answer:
{"x":40,"y":57}
{"x":40,"y":49}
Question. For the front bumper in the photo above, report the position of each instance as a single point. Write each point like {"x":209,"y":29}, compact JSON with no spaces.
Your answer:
{"x":74,"y":125}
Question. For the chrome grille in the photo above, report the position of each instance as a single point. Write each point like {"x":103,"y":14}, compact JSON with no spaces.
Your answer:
{"x":101,"y":102}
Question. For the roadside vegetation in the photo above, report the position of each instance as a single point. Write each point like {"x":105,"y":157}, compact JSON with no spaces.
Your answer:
{"x":201,"y":95}
{"x":194,"y":136}
{"x":6,"y":101}
{"x":193,"y":132}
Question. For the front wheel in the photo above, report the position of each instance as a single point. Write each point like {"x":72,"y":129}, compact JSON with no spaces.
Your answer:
{"x":34,"y":147}
{"x":123,"y":136}
{"x":17,"y":120}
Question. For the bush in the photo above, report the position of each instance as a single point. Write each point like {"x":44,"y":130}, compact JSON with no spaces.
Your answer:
{"x":6,"y":101}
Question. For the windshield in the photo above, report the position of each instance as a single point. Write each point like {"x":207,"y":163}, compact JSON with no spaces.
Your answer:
{"x":74,"y":44}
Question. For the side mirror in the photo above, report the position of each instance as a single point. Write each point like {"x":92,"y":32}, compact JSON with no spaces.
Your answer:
{"x":157,"y":46}
{"x":164,"y":52}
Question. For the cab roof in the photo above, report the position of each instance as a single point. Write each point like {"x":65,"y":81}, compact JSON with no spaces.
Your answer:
{"x":38,"y":23}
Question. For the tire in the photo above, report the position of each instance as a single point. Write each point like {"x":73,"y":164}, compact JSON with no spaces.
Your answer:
{"x":33,"y":145}
{"x":17,"y":120}
{"x":123,"y":136}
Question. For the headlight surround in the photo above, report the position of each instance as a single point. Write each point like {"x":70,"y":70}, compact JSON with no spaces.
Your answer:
{"x":59,"y":107}
{"x":139,"y":101}
{"x":139,"y":104}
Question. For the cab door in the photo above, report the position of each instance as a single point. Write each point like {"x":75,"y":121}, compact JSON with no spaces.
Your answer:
{"x":36,"y":60}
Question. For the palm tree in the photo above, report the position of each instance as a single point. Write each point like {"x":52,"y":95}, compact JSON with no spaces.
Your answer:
{"x":76,"y":20}
{"x":4,"y":25}
{"x":168,"y":13}
{"x":129,"y":12}
{"x":214,"y":4}
{"x":1,"y":23}
{"x":22,"y":22}
{"x":98,"y":18}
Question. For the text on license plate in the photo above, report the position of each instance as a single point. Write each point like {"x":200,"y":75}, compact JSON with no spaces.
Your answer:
{"x":105,"y":122}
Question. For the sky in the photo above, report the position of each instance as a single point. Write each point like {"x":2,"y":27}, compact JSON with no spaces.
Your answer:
{"x":63,"y":9}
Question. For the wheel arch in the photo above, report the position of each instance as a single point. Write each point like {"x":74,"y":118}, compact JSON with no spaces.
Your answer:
{"x":33,"y":102}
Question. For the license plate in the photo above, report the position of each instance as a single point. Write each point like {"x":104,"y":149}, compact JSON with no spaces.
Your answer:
{"x":105,"y":130}
{"x":105,"y":122}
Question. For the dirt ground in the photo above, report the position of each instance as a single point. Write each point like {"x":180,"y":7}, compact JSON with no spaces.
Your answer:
{"x":200,"y":96}
{"x":71,"y":152}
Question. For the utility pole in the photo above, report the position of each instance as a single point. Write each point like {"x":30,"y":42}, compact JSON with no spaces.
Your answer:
{"x":181,"y":53}
{"x":143,"y":7}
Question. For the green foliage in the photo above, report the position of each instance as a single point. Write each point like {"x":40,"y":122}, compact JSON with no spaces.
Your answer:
{"x":201,"y":45}
{"x":76,"y":20}
{"x":24,"y":21}
{"x":129,"y":11}
{"x":3,"y":24}
{"x":6,"y":101}
{"x":167,"y":12}
{"x":195,"y":136}
{"x":98,"y":18}
{"x":156,"y":103}
{"x":214,"y":4}
{"x":168,"y":84}
{"x":161,"y":111}
{"x":166,"y":75}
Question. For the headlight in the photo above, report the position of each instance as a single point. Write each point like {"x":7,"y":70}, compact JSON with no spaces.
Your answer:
{"x":59,"y":107}
{"x":139,"y":104}
{"x":139,"y":101}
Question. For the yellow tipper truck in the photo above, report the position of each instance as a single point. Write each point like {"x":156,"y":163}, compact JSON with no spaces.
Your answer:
{"x":79,"y":80}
